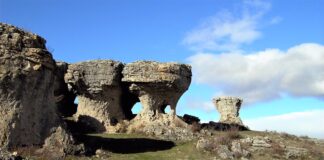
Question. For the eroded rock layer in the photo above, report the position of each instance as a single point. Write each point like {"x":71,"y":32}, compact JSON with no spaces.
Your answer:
{"x":27,"y":108}
{"x":98,"y":87}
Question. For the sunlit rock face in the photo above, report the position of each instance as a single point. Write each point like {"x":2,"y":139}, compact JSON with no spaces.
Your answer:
{"x":229,"y":108}
{"x":97,"y":84}
{"x":27,"y":106}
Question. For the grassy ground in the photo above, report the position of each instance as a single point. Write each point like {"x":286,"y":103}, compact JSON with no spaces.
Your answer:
{"x":139,"y":147}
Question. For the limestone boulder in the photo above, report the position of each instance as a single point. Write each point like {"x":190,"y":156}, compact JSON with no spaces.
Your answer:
{"x":27,"y":106}
{"x":97,"y":85}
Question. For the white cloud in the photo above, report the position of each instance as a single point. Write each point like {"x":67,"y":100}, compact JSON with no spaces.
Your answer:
{"x":263,"y":75}
{"x":227,"y":31}
{"x":308,"y":123}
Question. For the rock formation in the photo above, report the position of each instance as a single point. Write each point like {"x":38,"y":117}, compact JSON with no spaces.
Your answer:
{"x":157,"y":85}
{"x":27,"y":108}
{"x":98,"y":87}
{"x":36,"y":92}
{"x":28,"y":114}
{"x":229,"y":108}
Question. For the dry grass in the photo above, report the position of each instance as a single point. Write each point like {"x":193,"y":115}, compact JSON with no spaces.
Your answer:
{"x":312,"y":148}
{"x":195,"y":127}
{"x":276,"y":150}
{"x":233,"y":133}
{"x":179,"y":123}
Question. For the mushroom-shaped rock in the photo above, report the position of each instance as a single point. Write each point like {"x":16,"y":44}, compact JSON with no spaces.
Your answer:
{"x":98,"y":88}
{"x":229,"y":108}
{"x":27,"y":106}
{"x":157,"y":84}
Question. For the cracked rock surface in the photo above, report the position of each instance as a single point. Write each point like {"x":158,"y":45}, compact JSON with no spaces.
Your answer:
{"x":27,"y":108}
{"x":28,"y":112}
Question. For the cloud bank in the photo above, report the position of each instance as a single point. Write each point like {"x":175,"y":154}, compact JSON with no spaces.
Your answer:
{"x":299,"y":123}
{"x":227,"y":31}
{"x":263,"y":75}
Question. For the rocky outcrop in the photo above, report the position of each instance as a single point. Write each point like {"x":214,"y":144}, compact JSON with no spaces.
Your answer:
{"x":157,"y":85}
{"x":98,"y":87}
{"x":229,"y":108}
{"x":28,"y":112}
{"x":27,"y":106}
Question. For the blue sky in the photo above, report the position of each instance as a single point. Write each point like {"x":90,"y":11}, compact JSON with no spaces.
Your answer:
{"x":268,"y":52}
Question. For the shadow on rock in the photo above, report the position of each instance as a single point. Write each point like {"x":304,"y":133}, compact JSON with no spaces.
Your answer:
{"x":85,"y":124}
{"x":123,"y":145}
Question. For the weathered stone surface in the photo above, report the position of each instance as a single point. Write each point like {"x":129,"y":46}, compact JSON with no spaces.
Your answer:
{"x":61,"y":144}
{"x":98,"y":87}
{"x":28,"y":113}
{"x":295,"y":152}
{"x":5,"y":155}
{"x":157,"y":85}
{"x":204,"y":144}
{"x":27,"y":106}
{"x":224,"y":152}
{"x":229,"y":108}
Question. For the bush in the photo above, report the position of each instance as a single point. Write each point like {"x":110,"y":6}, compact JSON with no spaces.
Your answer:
{"x":277,"y":149}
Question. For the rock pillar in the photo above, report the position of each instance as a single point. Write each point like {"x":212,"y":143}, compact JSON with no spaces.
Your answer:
{"x":98,"y":88}
{"x":229,"y":108}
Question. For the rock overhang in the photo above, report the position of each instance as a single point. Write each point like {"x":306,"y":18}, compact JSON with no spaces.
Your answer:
{"x":171,"y":75}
